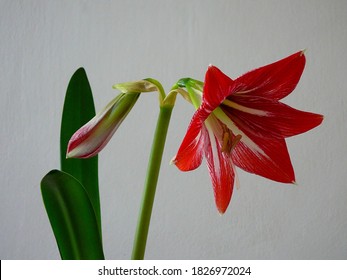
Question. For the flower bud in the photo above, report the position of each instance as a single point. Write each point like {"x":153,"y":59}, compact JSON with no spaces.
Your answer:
{"x":91,"y":138}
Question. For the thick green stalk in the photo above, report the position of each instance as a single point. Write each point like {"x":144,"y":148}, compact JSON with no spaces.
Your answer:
{"x":144,"y":218}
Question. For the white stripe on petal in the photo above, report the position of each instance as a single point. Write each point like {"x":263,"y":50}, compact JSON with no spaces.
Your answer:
{"x":237,"y":181}
{"x":245,"y":109}
{"x":218,"y":112}
{"x":213,"y":143}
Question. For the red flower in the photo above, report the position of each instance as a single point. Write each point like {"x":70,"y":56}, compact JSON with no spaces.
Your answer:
{"x":242,"y":122}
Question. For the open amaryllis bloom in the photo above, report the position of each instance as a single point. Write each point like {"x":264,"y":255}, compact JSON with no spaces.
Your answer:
{"x":242,"y":122}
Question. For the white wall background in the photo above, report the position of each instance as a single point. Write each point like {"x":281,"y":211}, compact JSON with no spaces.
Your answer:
{"x":44,"y":42}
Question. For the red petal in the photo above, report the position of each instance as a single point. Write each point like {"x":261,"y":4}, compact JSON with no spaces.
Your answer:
{"x":221,"y":173}
{"x":275,"y":80}
{"x":265,"y":157}
{"x":217,"y":87}
{"x":189,"y":155}
{"x":278,"y":120}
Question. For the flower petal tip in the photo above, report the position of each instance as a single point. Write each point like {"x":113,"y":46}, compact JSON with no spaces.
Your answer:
{"x":70,"y":154}
{"x":173,"y":161}
{"x":222,"y":207}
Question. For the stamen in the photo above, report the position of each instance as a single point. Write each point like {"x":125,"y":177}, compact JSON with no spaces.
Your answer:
{"x":226,"y":147}
{"x":229,"y":142}
{"x":235,"y":141}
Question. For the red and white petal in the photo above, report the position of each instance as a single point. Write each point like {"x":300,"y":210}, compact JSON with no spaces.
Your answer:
{"x":259,"y":155}
{"x":219,"y":163}
{"x":217,"y":87}
{"x":275,"y":80}
{"x":221,"y":172}
{"x":270,"y":159}
{"x":270,"y":118}
{"x":190,"y":153}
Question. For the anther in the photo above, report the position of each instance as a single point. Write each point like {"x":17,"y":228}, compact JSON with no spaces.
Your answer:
{"x":229,"y":141}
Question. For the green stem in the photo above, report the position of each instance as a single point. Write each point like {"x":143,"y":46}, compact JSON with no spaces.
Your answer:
{"x":144,"y":218}
{"x":160,"y":89}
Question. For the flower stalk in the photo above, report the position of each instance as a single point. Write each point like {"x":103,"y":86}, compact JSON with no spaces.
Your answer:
{"x":155,"y":159}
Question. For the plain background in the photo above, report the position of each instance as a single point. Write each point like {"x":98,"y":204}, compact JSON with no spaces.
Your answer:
{"x":44,"y":42}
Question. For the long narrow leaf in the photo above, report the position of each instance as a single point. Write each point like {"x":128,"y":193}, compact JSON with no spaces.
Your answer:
{"x":72,"y":217}
{"x":78,"y":110}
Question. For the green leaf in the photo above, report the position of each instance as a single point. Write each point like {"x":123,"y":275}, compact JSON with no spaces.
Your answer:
{"x":78,"y":110}
{"x":72,"y":217}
